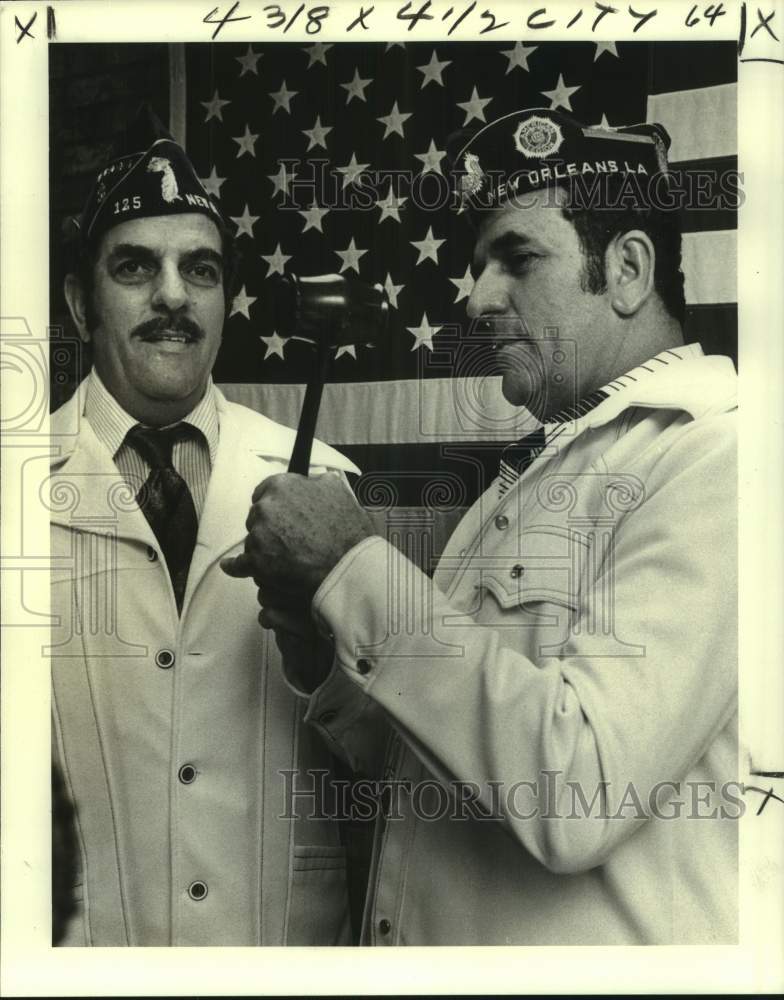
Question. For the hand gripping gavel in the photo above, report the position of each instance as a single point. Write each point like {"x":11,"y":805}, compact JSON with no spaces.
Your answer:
{"x":331,"y":311}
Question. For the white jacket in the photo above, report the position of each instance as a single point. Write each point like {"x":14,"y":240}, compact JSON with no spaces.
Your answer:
{"x":138,"y":692}
{"x":580,"y":635}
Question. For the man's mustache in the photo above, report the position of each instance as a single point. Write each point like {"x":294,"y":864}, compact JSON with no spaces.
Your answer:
{"x":499,"y":330}
{"x":174,"y":324}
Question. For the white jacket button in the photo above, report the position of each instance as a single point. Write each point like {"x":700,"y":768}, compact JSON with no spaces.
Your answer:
{"x":516,"y":571}
{"x":197,"y":890}
{"x":187,"y":774}
{"x":384,"y":926}
{"x":164,"y":658}
{"x":501,"y":522}
{"x":363,"y":666}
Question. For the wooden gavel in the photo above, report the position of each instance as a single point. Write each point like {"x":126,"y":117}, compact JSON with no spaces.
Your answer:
{"x":329,"y":310}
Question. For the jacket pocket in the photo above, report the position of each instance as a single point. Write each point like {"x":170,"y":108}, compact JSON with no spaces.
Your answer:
{"x":88,"y":555}
{"x":318,"y":910}
{"x":547,"y":569}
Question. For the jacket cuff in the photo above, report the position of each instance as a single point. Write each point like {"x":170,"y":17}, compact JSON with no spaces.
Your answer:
{"x":354,"y":603}
{"x":335,"y":708}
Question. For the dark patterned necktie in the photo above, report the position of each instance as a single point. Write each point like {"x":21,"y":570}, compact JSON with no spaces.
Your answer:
{"x":166,"y":500}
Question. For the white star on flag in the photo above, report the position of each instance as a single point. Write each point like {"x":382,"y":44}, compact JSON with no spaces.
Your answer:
{"x":242,"y":303}
{"x":281,"y":180}
{"x":317,"y":136}
{"x":350,"y":257}
{"x":464,"y":285}
{"x":214,"y":107}
{"x":475,"y":108}
{"x":313,"y":217}
{"x":282,"y":98}
{"x":277,"y":261}
{"x":317,"y":53}
{"x":428,"y":247}
{"x":248,"y":61}
{"x":395,"y":45}
{"x":431,"y":159}
{"x":246,"y":143}
{"x":352,"y":170}
{"x":605,"y":47}
{"x":356,"y":88}
{"x":394,"y":121}
{"x":561,"y":96}
{"x":245,"y":222}
{"x":432,"y":71}
{"x":423,"y":334}
{"x":518,"y":56}
{"x":603,"y":123}
{"x":391,"y":205}
{"x":346,"y":349}
{"x":212,"y":184}
{"x":392,"y":290}
{"x":273,"y":345}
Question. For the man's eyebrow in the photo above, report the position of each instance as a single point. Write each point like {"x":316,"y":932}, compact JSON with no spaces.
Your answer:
{"x":509,"y":240}
{"x":203,"y":253}
{"x":140,"y":251}
{"x":132,"y":250}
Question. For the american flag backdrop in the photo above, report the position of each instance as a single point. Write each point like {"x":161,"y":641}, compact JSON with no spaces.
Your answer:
{"x":331,"y":158}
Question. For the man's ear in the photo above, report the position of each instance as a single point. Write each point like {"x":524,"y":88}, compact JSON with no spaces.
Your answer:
{"x":630,"y":264}
{"x":77,"y":305}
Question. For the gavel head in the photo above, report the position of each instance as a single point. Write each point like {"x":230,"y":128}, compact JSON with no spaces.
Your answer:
{"x":330,"y":309}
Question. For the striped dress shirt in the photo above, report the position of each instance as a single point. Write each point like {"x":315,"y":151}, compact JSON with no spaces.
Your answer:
{"x":193,"y":458}
{"x":516,"y":457}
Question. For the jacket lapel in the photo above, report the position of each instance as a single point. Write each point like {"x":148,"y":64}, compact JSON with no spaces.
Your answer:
{"x":86,"y":491}
{"x":251,"y":447}
{"x":237,"y":471}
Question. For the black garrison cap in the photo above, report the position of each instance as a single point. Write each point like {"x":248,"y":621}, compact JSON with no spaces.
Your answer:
{"x":147,"y":174}
{"x":539,"y":148}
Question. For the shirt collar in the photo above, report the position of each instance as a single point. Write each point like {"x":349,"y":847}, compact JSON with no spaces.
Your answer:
{"x":110,"y":422}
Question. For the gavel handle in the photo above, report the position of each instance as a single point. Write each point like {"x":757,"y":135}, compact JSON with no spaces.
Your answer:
{"x":300,"y":455}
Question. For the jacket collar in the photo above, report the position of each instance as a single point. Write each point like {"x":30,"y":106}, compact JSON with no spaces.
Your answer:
{"x":70,"y":432}
{"x":696,"y":384}
{"x":251,"y":447}
{"x":88,"y":491}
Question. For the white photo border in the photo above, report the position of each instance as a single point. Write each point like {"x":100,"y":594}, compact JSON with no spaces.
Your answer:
{"x":30,"y":966}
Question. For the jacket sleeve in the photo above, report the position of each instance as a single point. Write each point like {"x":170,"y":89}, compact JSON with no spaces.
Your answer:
{"x":475,"y":710}
{"x":354,"y":727}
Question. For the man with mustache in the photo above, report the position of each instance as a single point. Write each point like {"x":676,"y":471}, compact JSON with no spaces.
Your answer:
{"x":561,"y":697}
{"x":172,"y":722}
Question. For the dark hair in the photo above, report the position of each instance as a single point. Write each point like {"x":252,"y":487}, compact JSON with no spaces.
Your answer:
{"x":597,"y":225}
{"x":84,"y":255}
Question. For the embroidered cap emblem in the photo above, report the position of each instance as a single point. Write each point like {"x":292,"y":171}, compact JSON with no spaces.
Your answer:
{"x":474,"y":176}
{"x":537,"y":137}
{"x":169,"y":190}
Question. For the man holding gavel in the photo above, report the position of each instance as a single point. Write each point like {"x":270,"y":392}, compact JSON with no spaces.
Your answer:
{"x":560,"y":700}
{"x":172,"y":721}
